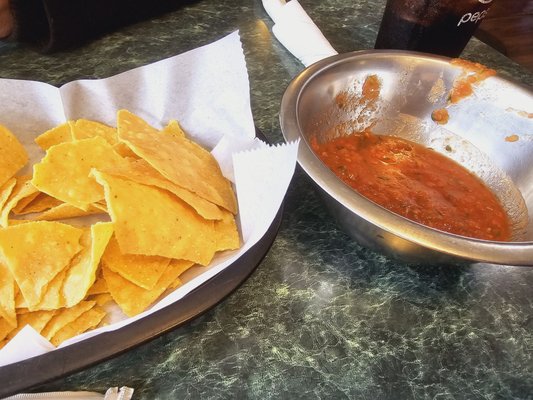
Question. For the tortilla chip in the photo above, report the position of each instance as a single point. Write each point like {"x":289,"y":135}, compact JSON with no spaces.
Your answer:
{"x":36,"y":319}
{"x":13,"y":156}
{"x":64,"y":172}
{"x":180,"y":267}
{"x":227,"y":235}
{"x":81,"y":274}
{"x":20,"y":302}
{"x":149,"y":221}
{"x":65,"y":211}
{"x":41,"y":202}
{"x":56,"y":135}
{"x":178,"y":159}
{"x":99,"y":286}
{"x":88,"y":320}
{"x":5,"y":329}
{"x":6,"y":190}
{"x":84,"y":129}
{"x":7,"y":296}
{"x":35,"y":252}
{"x":123,"y":150}
{"x":173,"y":128}
{"x":52,"y":299}
{"x":144,"y":271}
{"x":64,"y":317}
{"x":141,"y":172}
{"x":22,"y":203}
{"x":101,"y":299}
{"x":133,"y":299}
{"x":22,"y":189}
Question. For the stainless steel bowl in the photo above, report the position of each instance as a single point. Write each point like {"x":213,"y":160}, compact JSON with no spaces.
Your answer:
{"x":478,"y":136}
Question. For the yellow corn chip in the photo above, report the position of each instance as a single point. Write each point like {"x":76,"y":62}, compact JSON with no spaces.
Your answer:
{"x":22,"y":203}
{"x":173,"y":128}
{"x":64,"y":172}
{"x":52,"y":299}
{"x":149,"y":221}
{"x":39,"y":203}
{"x":178,"y":159}
{"x":141,"y":172}
{"x":144,"y":271}
{"x":64,"y":317}
{"x":22,"y":189}
{"x":179,"y":266}
{"x":123,"y":150}
{"x":56,"y":135}
{"x":133,"y":299}
{"x":227,"y":235}
{"x":81,"y":274}
{"x":177,"y":283}
{"x":6,"y":190}
{"x":5,"y":329}
{"x":35,"y":252}
{"x":84,"y":129}
{"x":65,"y":211}
{"x":101,"y":299}
{"x":99,"y":286}
{"x":20,"y":303}
{"x":7,"y":296}
{"x":13,"y":156}
{"x":88,"y":320}
{"x":36,"y":319}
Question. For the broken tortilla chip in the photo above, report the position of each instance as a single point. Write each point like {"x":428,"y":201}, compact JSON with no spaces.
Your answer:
{"x":144,"y":271}
{"x":197,"y":170}
{"x":65,"y":316}
{"x":7,"y":296}
{"x":133,"y":299}
{"x":227,"y":235}
{"x":85,"y":128}
{"x":141,"y":172}
{"x":35,"y":252}
{"x":56,"y":135}
{"x":150,"y":221}
{"x":22,"y":189}
{"x":13,"y":156}
{"x":81,"y":274}
{"x":88,"y":320}
{"x":5,"y":191}
{"x":64,"y":172}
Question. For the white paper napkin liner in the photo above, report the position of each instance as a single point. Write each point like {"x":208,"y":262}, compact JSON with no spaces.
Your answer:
{"x":27,"y":343}
{"x":274,"y":168}
{"x":297,"y":32}
{"x":113,"y":393}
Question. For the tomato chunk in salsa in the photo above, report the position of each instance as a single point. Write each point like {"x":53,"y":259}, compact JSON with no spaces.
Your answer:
{"x":417,"y":183}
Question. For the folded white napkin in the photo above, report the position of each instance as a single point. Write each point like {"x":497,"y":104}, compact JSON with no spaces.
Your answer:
{"x":114,"y":393}
{"x":297,"y":31}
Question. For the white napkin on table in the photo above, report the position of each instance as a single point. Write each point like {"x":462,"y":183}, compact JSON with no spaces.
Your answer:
{"x":297,"y":31}
{"x":114,"y":393}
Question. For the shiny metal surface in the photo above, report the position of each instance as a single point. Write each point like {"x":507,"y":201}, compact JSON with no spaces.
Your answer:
{"x":490,"y":133}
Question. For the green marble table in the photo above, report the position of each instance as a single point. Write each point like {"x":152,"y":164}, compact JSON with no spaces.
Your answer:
{"x":321,"y":317}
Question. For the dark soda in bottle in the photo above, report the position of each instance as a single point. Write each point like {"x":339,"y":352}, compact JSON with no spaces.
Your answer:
{"x":431,"y":26}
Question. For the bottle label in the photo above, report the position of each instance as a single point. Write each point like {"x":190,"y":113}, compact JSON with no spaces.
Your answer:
{"x":474,"y":17}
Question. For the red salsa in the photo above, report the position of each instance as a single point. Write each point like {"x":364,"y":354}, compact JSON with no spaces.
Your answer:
{"x":417,"y":183}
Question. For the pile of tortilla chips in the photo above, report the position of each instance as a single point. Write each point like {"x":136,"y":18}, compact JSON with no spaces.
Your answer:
{"x":164,"y":205}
